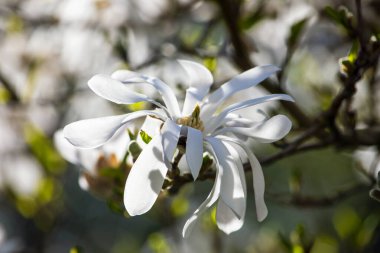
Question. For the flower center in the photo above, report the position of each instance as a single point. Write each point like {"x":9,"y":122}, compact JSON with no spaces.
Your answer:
{"x":192,"y":120}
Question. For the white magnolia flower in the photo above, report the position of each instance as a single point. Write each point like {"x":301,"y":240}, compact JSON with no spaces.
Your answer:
{"x":206,"y":129}
{"x":91,"y":160}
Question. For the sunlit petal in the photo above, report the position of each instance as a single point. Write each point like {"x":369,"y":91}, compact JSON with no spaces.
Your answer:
{"x":232,"y":191}
{"x":210,"y":200}
{"x":165,"y":91}
{"x":226,"y":219}
{"x":243,"y":81}
{"x":65,"y":148}
{"x":115,"y":91}
{"x":216,"y":121}
{"x":170,"y":135}
{"x":145,"y":180}
{"x":258,"y":179}
{"x":194,"y":150}
{"x":91,"y":133}
{"x":200,"y":79}
{"x":268,"y":131}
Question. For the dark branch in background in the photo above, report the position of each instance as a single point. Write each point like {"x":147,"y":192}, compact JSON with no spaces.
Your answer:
{"x":325,"y":130}
{"x":231,"y":13}
{"x":312,"y":201}
{"x":13,"y":97}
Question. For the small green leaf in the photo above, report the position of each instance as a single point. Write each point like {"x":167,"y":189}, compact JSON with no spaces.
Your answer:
{"x":296,"y":31}
{"x":179,"y":206}
{"x":76,"y":249}
{"x":342,"y":16}
{"x":346,"y":221}
{"x":210,"y":63}
{"x":145,"y":137}
{"x":353,"y":54}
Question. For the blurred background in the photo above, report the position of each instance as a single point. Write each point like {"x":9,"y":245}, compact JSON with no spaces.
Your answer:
{"x":318,"y":200}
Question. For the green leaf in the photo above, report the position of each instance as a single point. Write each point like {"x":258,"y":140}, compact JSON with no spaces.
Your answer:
{"x":296,"y":31}
{"x":76,"y":249}
{"x":4,"y":96}
{"x":179,"y":206}
{"x":342,"y":16}
{"x":346,"y":221}
{"x":325,"y":244}
{"x":145,"y":137}
{"x":353,"y":54}
{"x":210,"y":63}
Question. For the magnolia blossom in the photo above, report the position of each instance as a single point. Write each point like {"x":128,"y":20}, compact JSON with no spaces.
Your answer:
{"x":206,"y":127}
{"x":91,"y":160}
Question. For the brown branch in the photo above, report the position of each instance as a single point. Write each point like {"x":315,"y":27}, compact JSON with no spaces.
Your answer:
{"x":13,"y":97}
{"x":313,"y":201}
{"x":230,"y":13}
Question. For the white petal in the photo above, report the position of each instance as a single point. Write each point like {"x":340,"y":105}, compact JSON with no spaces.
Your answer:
{"x":165,"y":91}
{"x":258,"y":179}
{"x":268,"y":131}
{"x":145,"y":180}
{"x":226,"y":219}
{"x":198,"y":75}
{"x":216,"y":121}
{"x":95,"y":132}
{"x":124,"y":74}
{"x":194,"y":150}
{"x":118,"y":144}
{"x":243,"y":81}
{"x":114,"y":90}
{"x":191,"y":100}
{"x":85,"y":158}
{"x":170,"y":136}
{"x":232,"y":191}
{"x":200,"y":79}
{"x":65,"y":148}
{"x":210,"y":200}
{"x":151,"y":126}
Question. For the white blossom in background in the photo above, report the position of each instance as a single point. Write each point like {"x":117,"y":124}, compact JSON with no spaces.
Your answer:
{"x":91,"y":160}
{"x":206,"y":126}
{"x":369,"y":161}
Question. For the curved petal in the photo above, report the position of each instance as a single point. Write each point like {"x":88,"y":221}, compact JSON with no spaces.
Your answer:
{"x":65,"y":148}
{"x":243,"y":81}
{"x":232,"y":191}
{"x":194,"y":150}
{"x":118,"y":144}
{"x":216,"y":121}
{"x":170,"y":136}
{"x":115,"y":91}
{"x":258,"y":179}
{"x":200,"y":79}
{"x":210,"y":200}
{"x":146,"y":178}
{"x":268,"y":131}
{"x":226,"y":219}
{"x":92,"y":133}
{"x":85,"y":158}
{"x":165,"y":91}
